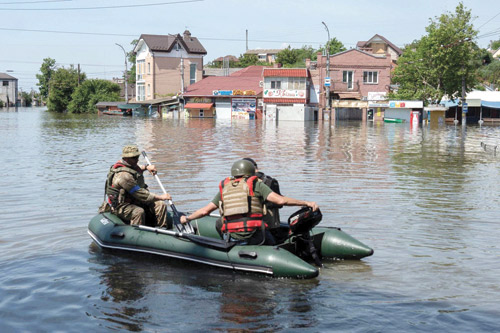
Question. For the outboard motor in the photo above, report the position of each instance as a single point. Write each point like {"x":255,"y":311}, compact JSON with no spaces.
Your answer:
{"x":301,"y":223}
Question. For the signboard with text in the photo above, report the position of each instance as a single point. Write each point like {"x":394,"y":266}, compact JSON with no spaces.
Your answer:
{"x":283,"y":93}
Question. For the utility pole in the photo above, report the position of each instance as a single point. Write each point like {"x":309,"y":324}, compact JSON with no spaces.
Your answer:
{"x":125,"y":75}
{"x":182,"y":75}
{"x":78,"y":75}
{"x":327,"y":88}
{"x":247,"y":38}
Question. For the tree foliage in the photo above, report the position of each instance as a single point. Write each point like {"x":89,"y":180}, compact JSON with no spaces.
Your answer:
{"x":47,"y":69}
{"x":490,"y":74}
{"x":436,"y":64}
{"x":85,"y":97}
{"x":334,"y":46}
{"x":26,"y":97}
{"x":62,"y":85}
{"x":131,"y":59}
{"x":248,"y":60}
{"x":495,"y":45}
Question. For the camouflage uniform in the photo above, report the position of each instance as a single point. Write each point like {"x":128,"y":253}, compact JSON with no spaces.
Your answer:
{"x":128,"y":194}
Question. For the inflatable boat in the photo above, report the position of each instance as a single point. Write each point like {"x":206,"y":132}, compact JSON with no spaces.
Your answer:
{"x":298,"y":254}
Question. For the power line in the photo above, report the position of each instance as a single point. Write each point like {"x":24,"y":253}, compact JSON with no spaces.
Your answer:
{"x":26,"y":2}
{"x":104,"y":7}
{"x":126,"y":35}
{"x":489,"y":20}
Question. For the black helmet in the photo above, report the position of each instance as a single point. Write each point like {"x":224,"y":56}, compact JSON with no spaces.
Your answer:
{"x":242,"y":168}
{"x":251,"y":161}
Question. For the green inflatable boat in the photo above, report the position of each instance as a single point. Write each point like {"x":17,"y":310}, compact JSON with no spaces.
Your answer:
{"x":297,"y":256}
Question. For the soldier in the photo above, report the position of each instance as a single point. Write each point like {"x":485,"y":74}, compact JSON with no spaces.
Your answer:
{"x":241,"y":200}
{"x":127,"y":192}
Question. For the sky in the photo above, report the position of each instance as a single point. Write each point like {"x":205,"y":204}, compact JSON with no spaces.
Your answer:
{"x":85,"y":32}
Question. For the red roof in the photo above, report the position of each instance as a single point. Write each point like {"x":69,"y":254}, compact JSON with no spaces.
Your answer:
{"x":286,"y":72}
{"x":198,"y":105}
{"x":285,"y":100}
{"x":245,"y":79}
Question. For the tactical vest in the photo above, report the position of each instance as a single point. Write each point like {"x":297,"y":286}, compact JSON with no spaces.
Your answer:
{"x":240,"y":209}
{"x":112,"y":192}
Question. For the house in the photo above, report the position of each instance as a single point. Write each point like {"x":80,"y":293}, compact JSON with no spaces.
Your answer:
{"x":380,"y":45}
{"x":225,"y":97}
{"x":287,"y":94}
{"x":8,"y":90}
{"x":265,"y":55}
{"x":354,"y":77}
{"x":166,"y":64}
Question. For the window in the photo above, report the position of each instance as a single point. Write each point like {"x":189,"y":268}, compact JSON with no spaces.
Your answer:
{"x":140,"y":92}
{"x":140,"y":69}
{"x":149,"y":68}
{"x":149,"y":90}
{"x":347,"y":77}
{"x":262,"y":57}
{"x":275,"y":84}
{"x":192,"y":73}
{"x":5,"y":83}
{"x":370,"y":77}
{"x":201,"y":114}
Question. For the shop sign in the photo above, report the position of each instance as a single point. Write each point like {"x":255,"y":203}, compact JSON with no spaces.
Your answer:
{"x":406,"y":104}
{"x":282,"y":93}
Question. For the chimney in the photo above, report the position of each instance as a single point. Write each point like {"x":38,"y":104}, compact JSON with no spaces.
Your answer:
{"x":187,"y":34}
{"x":308,"y":63}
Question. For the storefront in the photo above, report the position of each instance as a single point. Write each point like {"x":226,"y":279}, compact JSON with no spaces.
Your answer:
{"x":405,"y":111}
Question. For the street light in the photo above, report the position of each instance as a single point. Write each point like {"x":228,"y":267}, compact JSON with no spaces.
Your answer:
{"x":327,"y":66}
{"x":125,"y":76}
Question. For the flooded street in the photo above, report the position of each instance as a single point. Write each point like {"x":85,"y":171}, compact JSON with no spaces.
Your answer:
{"x":425,"y":199}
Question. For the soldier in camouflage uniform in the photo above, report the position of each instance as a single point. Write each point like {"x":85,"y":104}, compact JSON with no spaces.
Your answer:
{"x":127,"y":192}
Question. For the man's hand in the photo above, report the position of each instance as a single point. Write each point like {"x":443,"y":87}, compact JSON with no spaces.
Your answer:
{"x":151,"y":168}
{"x":313,"y":205}
{"x":184,"y":219}
{"x":164,"y":197}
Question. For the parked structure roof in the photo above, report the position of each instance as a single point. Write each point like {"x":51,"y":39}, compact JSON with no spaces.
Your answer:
{"x":362,"y":44}
{"x":263,"y":51}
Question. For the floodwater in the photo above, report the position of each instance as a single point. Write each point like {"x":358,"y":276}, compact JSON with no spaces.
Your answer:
{"x":426,"y":199}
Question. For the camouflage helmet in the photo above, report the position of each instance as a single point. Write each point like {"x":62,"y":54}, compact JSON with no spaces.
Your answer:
{"x":242,"y":168}
{"x":130,"y":151}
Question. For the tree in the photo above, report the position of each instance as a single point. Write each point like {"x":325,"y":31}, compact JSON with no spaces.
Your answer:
{"x":288,"y":57}
{"x":85,"y":97}
{"x":47,"y":69}
{"x":440,"y":62}
{"x":248,"y":60}
{"x":62,"y":85}
{"x":490,"y":73}
{"x":495,"y":45}
{"x":131,"y":59}
{"x":334,"y":46}
{"x":26,"y":97}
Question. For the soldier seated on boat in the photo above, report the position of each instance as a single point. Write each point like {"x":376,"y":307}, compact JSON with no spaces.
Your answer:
{"x":127,"y":195}
{"x":241,"y":200}
{"x":272,"y":216}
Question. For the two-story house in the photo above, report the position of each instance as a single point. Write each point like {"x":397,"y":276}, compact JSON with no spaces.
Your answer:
{"x":287,"y":93}
{"x":359,"y":80}
{"x":8,"y":90}
{"x":167,"y":64}
{"x":265,"y":55}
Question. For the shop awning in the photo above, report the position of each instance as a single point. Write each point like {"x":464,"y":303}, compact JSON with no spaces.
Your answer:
{"x":128,"y":106}
{"x":198,"y":105}
{"x":488,"y":104}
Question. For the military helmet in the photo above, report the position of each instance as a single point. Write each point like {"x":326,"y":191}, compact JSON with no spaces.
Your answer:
{"x":242,"y":168}
{"x":130,"y":151}
{"x":251,"y":160}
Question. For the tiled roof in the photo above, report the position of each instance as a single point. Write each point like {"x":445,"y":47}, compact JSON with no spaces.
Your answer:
{"x":4,"y":76}
{"x":229,"y":57}
{"x":165,"y":43}
{"x":245,"y":79}
{"x":362,"y":44}
{"x":264,"y":51}
{"x":285,"y":100}
{"x":286,"y":72}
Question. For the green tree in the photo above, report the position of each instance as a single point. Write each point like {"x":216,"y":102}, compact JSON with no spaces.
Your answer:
{"x":47,"y":69}
{"x":85,"y":97}
{"x":131,"y":59}
{"x":248,"y":60}
{"x":437,"y":64}
{"x":62,"y":85}
{"x":490,"y":73}
{"x":288,"y":57}
{"x":334,"y":46}
{"x":26,"y":97}
{"x":495,"y":45}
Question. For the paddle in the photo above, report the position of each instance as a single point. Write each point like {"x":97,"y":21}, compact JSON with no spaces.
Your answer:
{"x":187,"y":227}
{"x":212,"y":243}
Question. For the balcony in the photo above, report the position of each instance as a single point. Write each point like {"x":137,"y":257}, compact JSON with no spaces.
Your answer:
{"x":343,"y":87}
